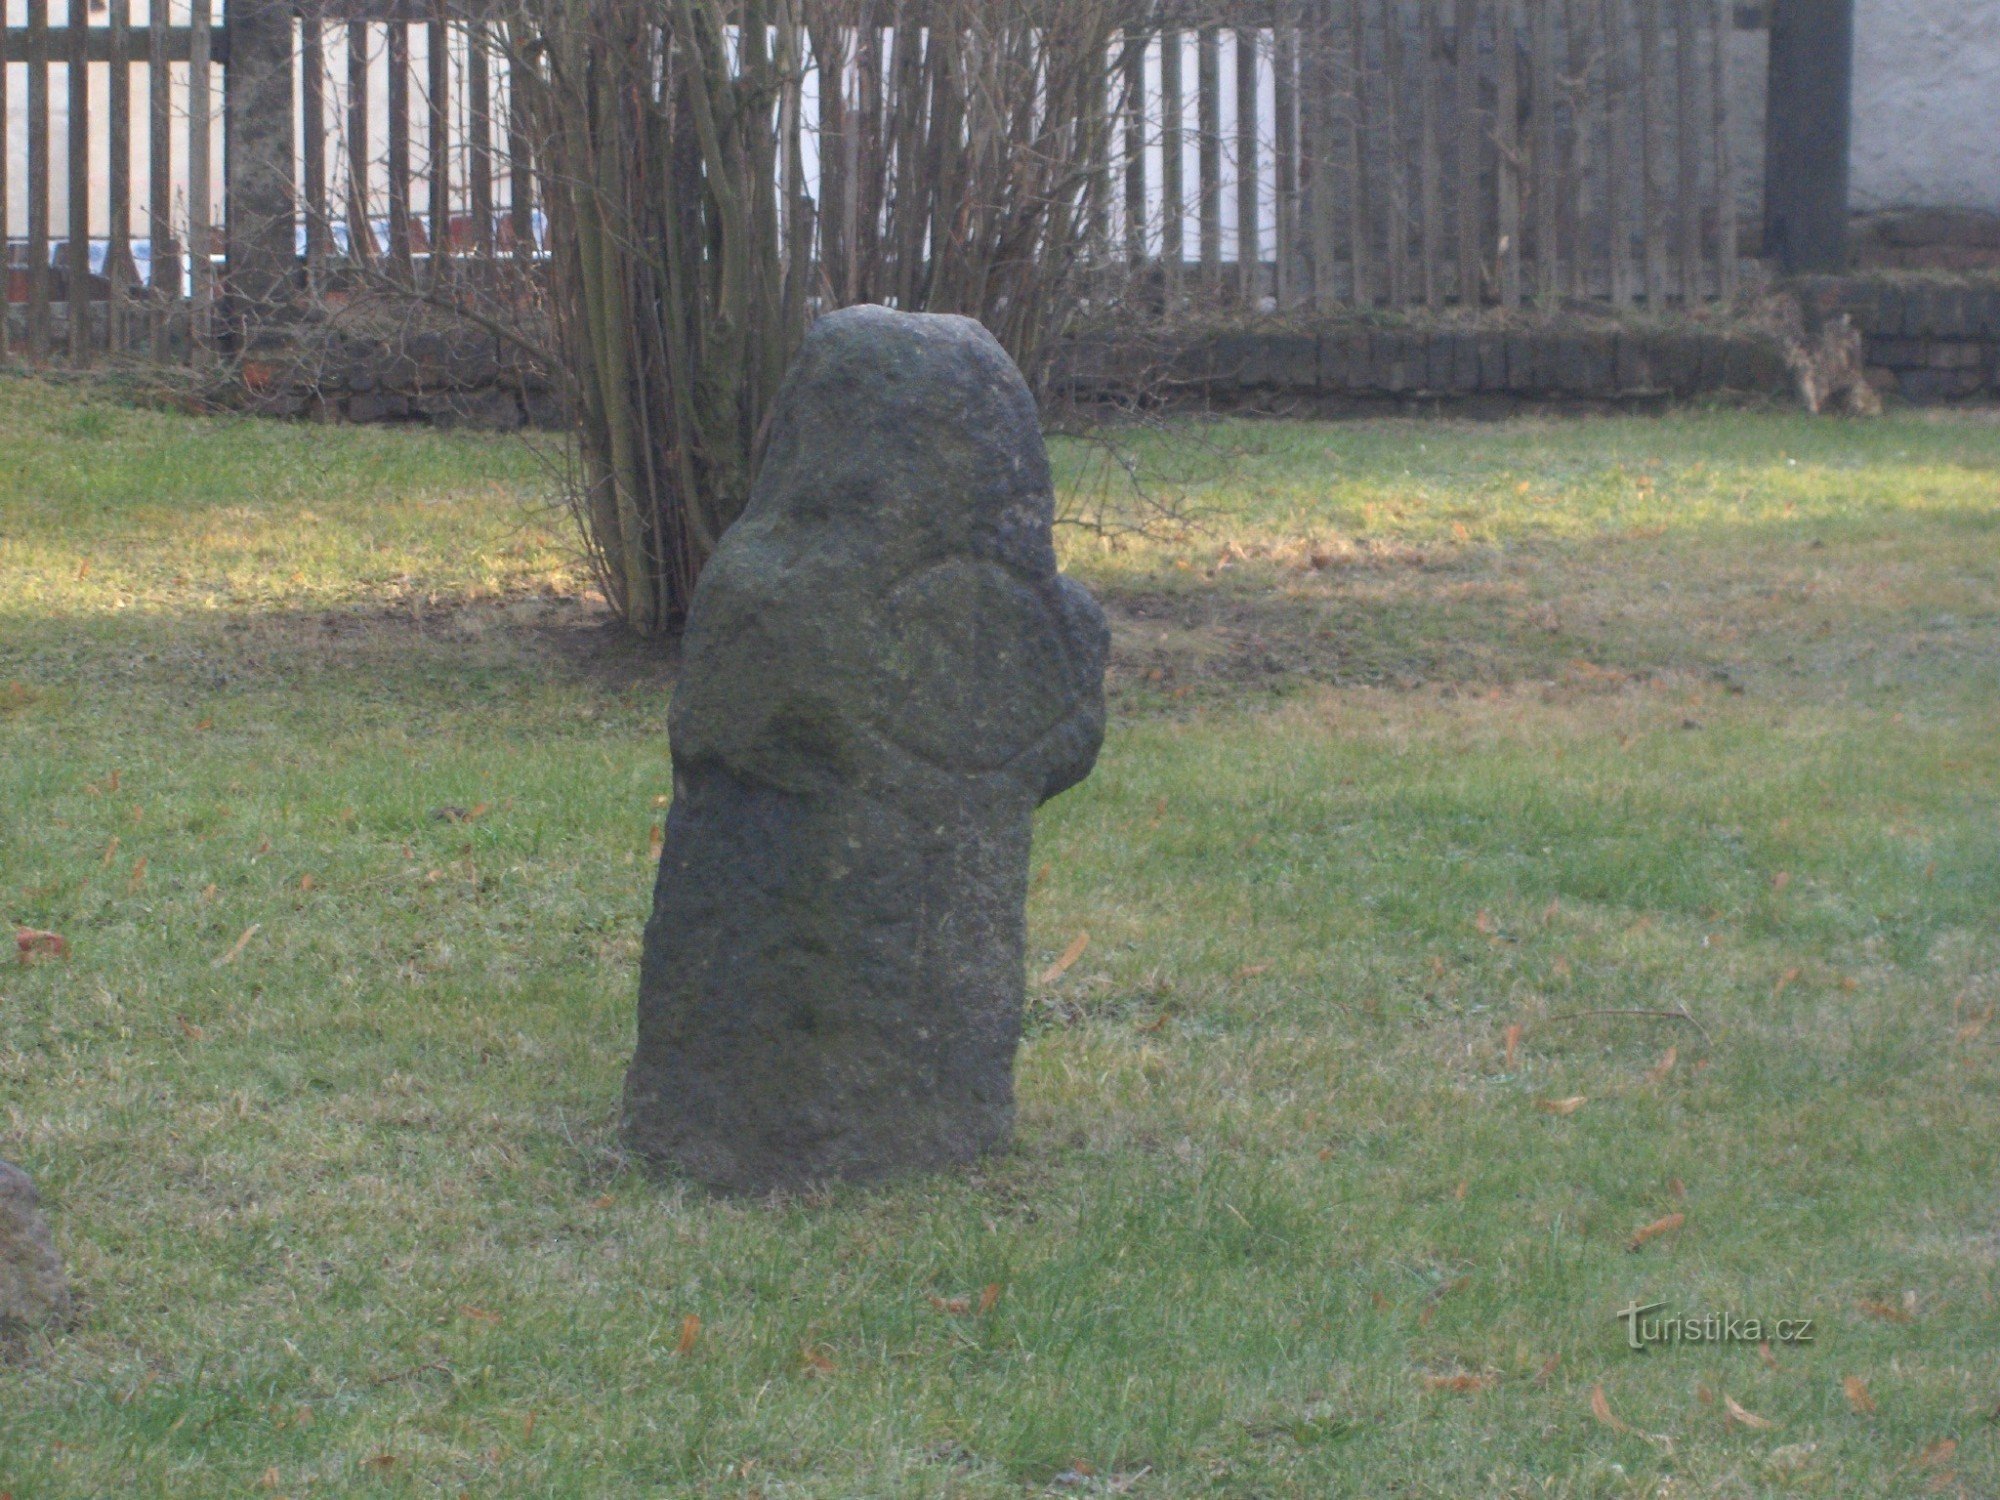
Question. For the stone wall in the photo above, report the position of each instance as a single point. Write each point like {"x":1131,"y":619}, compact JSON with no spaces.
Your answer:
{"x":442,"y":377}
{"x":1927,"y":340}
{"x":1477,"y":371}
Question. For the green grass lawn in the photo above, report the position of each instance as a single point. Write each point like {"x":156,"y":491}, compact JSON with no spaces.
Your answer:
{"x":1425,"y":733}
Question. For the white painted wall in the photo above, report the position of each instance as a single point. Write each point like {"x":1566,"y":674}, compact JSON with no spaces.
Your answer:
{"x":1926,"y":104}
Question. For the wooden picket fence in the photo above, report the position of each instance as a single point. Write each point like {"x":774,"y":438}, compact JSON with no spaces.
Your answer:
{"x":154,"y":280}
{"x":1307,"y":154}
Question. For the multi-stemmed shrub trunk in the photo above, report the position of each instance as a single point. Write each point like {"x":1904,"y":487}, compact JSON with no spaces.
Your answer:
{"x":960,"y":171}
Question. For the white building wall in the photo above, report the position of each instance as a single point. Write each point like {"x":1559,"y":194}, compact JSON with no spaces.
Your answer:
{"x":1926,"y":104}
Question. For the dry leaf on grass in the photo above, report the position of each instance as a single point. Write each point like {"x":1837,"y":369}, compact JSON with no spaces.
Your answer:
{"x":1461,"y":1384}
{"x":1780,"y":880}
{"x":1512,"y":1040}
{"x":1659,"y":1071}
{"x":1567,"y":1106}
{"x":955,"y":1306}
{"x":1888,"y":1312}
{"x":1070,"y":955}
{"x":1938,"y":1453}
{"x":1785,"y":981}
{"x":1485,"y":923}
{"x":1857,"y":1396}
{"x":816,"y":1360}
{"x":189,"y":1030}
{"x":236,"y":949}
{"x":1251,"y":971}
{"x":31,"y":943}
{"x":1600,"y":1408}
{"x":989,"y":1296}
{"x":1654,"y":1230}
{"x":1764,"y":1353}
{"x":1733,"y":1411}
{"x":690,"y":1331}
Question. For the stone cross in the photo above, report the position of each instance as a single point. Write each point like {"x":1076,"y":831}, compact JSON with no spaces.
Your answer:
{"x":883,"y":675}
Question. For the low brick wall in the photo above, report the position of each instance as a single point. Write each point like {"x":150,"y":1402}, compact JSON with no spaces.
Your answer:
{"x":1478,"y":370}
{"x":1928,"y":340}
{"x":439,"y":377}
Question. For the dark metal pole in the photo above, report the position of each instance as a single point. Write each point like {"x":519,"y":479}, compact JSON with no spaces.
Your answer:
{"x":1808,"y":127}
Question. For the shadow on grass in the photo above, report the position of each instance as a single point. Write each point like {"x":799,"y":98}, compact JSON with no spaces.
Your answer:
{"x":1579,"y":617}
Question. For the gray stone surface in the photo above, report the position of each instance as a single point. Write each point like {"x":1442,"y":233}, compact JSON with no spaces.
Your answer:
{"x":883,"y":675}
{"x":33,"y":1293}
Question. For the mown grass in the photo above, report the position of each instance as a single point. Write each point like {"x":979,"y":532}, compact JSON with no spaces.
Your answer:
{"x":1428,"y":731}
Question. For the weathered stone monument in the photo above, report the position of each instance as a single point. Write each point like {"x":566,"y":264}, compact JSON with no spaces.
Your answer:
{"x":33,"y":1293}
{"x":883,"y":675}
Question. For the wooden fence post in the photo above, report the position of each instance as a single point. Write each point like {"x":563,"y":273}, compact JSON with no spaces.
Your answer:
{"x":1173,"y":195}
{"x":1134,"y":68}
{"x":1321,"y":195}
{"x":437,"y":142}
{"x":201,"y":211}
{"x":313,"y":127}
{"x":1396,"y":241}
{"x":1808,"y":125}
{"x":1470,"y":131}
{"x":1618,"y":151}
{"x":1506,"y":136}
{"x":1431,"y":167}
{"x":78,"y":259}
{"x":1359,"y":213}
{"x":38,"y":179}
{"x":259,"y":235}
{"x":1542,"y":33}
{"x":1687,"y":34}
{"x":1208,"y":112}
{"x":400,"y":252}
{"x":1722,"y":14}
{"x":1284,"y":95}
{"x":1653,"y":208}
{"x":118,"y":180}
{"x":6,"y":258}
{"x":163,"y":257}
{"x":360,"y":234}
{"x":1249,"y":248}
{"x":479,"y":119}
